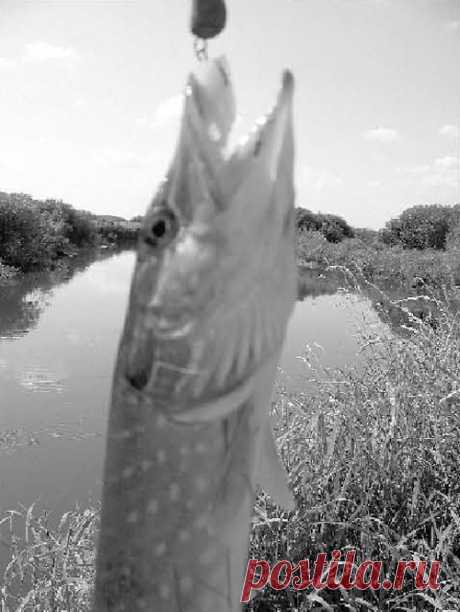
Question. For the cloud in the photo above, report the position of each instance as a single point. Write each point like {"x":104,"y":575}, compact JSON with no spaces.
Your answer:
{"x":453,"y":26}
{"x":414,"y":170}
{"x":318,"y":180}
{"x":381,"y":134}
{"x":80,"y":102}
{"x":449,"y":130}
{"x":440,"y":173}
{"x":448,"y":163}
{"x":165,"y":116}
{"x":43,"y":52}
{"x":167,"y":112}
{"x":108,"y":157}
{"x":6,"y":63}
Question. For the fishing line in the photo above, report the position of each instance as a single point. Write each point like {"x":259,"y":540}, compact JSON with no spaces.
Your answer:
{"x":200,"y":48}
{"x":208,"y":20}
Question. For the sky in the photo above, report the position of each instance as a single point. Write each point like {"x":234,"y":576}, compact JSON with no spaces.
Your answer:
{"x":90,"y":97}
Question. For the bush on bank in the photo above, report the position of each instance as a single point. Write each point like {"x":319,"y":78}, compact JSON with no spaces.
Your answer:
{"x":422,"y":227}
{"x":35,"y":233}
{"x":382,"y":263}
{"x":332,"y":227}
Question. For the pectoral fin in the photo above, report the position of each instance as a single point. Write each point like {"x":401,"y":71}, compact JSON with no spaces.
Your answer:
{"x":270,"y":474}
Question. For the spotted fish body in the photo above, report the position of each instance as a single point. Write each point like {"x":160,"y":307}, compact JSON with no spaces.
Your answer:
{"x":189,"y":435}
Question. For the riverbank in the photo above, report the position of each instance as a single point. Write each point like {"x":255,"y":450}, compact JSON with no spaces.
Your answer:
{"x":379,"y":263}
{"x":373,"y":457}
{"x":36,"y":235}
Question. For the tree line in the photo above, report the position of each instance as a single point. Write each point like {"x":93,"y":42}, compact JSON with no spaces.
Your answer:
{"x":35,"y":233}
{"x":431,"y":226}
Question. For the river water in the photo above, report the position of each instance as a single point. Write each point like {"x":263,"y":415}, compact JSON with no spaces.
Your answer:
{"x":58,"y":338}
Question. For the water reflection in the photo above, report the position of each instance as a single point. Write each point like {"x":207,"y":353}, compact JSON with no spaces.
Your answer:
{"x":23,"y":300}
{"x":21,"y":304}
{"x":58,"y":337}
{"x":400,"y":307}
{"x":312,"y":282}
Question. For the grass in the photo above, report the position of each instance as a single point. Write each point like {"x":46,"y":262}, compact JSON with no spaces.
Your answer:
{"x":373,"y":457}
{"x":49,"y":569}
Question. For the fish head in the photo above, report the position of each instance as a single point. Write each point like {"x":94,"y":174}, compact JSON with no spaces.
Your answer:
{"x":216,"y":247}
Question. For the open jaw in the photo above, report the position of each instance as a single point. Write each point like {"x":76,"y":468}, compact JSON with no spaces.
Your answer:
{"x":210,"y":111}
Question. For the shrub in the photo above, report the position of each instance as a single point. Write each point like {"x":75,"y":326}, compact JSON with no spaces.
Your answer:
{"x":307,"y":220}
{"x":333,"y":227}
{"x":24,"y":238}
{"x":420,"y":227}
{"x":50,"y":569}
{"x":453,"y":240}
{"x":81,"y":229}
{"x":34,"y":233}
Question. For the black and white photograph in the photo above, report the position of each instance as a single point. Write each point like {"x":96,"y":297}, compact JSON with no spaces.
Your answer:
{"x":229,"y":305}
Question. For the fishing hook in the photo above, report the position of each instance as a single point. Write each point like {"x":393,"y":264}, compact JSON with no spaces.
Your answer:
{"x":200,"y":47}
{"x":208,"y":20}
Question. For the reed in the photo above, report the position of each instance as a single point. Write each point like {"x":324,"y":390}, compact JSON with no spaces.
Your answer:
{"x":374,"y":458}
{"x":50,"y":568}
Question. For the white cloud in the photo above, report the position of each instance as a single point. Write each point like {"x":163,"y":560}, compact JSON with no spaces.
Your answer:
{"x":440,"y":173}
{"x":448,"y":163}
{"x":453,"y":26}
{"x":414,"y":170}
{"x":449,"y":130}
{"x":167,"y":112}
{"x":381,"y":134}
{"x":165,"y":116}
{"x":40,"y":51}
{"x":441,"y":179}
{"x":318,"y":180}
{"x":6,"y":63}
{"x":80,"y":102}
{"x":108,"y":157}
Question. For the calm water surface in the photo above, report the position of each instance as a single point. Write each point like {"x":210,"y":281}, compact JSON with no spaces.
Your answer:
{"x":58,"y":339}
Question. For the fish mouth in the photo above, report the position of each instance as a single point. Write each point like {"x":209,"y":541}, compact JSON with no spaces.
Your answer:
{"x":209,"y":167}
{"x":269,"y":130}
{"x":210,"y":111}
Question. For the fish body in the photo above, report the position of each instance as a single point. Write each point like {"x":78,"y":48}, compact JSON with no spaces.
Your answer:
{"x":189,"y":434}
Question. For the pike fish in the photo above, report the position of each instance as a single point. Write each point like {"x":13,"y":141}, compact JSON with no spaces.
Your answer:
{"x":189,"y":436}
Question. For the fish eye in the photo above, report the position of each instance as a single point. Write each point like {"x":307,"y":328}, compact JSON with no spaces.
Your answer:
{"x":162,"y":228}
